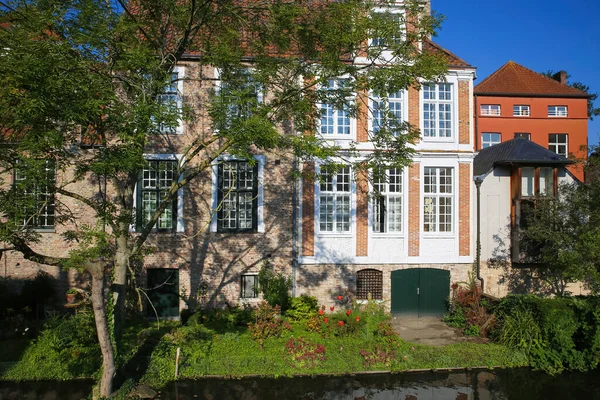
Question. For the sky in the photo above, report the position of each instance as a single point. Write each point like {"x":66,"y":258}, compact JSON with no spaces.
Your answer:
{"x":541,"y":35}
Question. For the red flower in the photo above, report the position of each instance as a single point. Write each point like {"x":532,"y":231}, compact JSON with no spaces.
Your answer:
{"x":331,"y":308}
{"x":326,"y":320}
{"x":321,"y":312}
{"x":348,"y":312}
{"x":357,"y":318}
{"x":341,"y":323}
{"x":340,"y":298}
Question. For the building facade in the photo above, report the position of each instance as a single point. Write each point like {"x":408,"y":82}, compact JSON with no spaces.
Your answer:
{"x":516,"y":102}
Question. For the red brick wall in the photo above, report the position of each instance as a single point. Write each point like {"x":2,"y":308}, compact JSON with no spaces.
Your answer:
{"x":414,"y":209}
{"x":308,"y":211}
{"x":464,"y":116}
{"x":414,"y":108}
{"x":464,"y":211}
{"x":362,"y":214}
{"x":362,"y":120}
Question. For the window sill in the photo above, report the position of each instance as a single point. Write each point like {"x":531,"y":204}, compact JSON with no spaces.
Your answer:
{"x":436,"y":235}
{"x":379,"y":235}
{"x":43,"y":230}
{"x":335,"y":234}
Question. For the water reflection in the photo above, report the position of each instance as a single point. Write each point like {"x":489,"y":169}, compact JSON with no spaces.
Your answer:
{"x":519,"y":384}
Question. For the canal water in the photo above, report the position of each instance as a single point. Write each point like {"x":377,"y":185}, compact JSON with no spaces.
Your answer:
{"x":519,"y":384}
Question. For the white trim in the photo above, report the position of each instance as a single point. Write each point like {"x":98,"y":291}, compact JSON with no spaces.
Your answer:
{"x":371,"y":96}
{"x":261,"y":161}
{"x":351,"y":136}
{"x":180,"y":227}
{"x":317,"y":200}
{"x":453,"y":82}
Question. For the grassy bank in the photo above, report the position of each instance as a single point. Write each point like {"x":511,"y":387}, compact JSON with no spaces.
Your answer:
{"x":237,"y":343}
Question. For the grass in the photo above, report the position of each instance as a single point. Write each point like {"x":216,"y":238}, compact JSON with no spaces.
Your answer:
{"x":63,"y":351}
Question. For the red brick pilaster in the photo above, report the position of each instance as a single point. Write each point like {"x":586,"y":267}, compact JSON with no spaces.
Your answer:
{"x":414,"y":209}
{"x":362,"y":117}
{"x":464,"y":209}
{"x":362,"y":214}
{"x":414,"y":107}
{"x":464,"y":117}
{"x":308,"y":210}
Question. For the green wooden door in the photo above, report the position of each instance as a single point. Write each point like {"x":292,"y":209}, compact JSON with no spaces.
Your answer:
{"x":405,"y":284}
{"x":163,"y":293}
{"x":434,"y":290}
{"x":420,"y":291}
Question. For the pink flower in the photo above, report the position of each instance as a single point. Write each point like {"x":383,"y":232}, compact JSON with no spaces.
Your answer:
{"x":348,"y":312}
{"x":326,"y":320}
{"x":357,"y":318}
{"x":321,"y":312}
{"x":340,"y":298}
{"x":332,"y":308}
{"x":341,"y":323}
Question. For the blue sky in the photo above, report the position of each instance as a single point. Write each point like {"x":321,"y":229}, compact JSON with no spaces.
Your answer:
{"x":538,"y":34}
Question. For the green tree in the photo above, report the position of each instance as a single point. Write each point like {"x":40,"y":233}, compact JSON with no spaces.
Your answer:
{"x":562,"y":236}
{"x":94,"y":72}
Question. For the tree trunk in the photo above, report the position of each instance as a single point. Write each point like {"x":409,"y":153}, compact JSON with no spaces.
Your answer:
{"x":108,"y":358}
{"x":119,"y":284}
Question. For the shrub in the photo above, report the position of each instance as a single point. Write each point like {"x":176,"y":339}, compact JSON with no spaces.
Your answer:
{"x":267,"y":323}
{"x":223,"y":319}
{"x":469,"y":310}
{"x":275,"y":287}
{"x":302,"y":308}
{"x":379,"y":355}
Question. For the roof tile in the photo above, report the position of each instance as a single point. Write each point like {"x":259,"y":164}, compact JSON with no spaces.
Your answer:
{"x":514,"y":79}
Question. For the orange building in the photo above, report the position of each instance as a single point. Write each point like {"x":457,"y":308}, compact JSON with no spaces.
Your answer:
{"x":517,"y":102}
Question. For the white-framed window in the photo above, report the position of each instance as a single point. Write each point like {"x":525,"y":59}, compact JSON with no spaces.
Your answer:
{"x":438,"y":196}
{"x":240,"y":93}
{"x":523,"y":135}
{"x":437,"y":110}
{"x":559,"y":143}
{"x":387,"y":201}
{"x":521,"y":110}
{"x":35,"y":188}
{"x":249,"y":286}
{"x":490,"y":109}
{"x":171,"y":99}
{"x":489,"y":139}
{"x":557,"y":111}
{"x":335,"y":119}
{"x":393,"y":20}
{"x":156,"y":179}
{"x":335,"y":196}
{"x":387,"y":112}
{"x":237,"y":195}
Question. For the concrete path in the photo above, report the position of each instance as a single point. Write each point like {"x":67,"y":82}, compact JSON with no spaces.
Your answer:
{"x":426,"y":330}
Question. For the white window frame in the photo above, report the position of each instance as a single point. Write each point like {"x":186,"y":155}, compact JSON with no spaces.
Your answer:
{"x":337,"y":196}
{"x":391,"y":103}
{"x":522,"y":133}
{"x":180,"y":227}
{"x":388,"y":190}
{"x":257,"y":291}
{"x":432,"y":199}
{"x":33,"y":191}
{"x":488,"y":142}
{"x":493,"y":110}
{"x":261,"y":161}
{"x":180,"y":72}
{"x":558,"y":111}
{"x":380,"y":42}
{"x":430,"y":133}
{"x":521,"y":110}
{"x":335,"y":117}
{"x":556,"y":144}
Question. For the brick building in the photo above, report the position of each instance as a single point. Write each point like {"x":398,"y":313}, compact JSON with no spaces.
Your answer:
{"x":409,"y":244}
{"x":517,"y":102}
{"x":331,"y":236}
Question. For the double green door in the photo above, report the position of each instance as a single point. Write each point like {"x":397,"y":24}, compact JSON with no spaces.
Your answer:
{"x":420,"y":291}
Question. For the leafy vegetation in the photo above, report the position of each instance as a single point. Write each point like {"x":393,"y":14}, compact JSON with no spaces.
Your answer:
{"x":275,"y":287}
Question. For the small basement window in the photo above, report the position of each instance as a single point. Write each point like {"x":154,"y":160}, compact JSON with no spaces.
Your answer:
{"x":369,"y":282}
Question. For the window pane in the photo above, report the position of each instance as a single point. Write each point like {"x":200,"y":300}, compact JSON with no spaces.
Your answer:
{"x":527,"y":185}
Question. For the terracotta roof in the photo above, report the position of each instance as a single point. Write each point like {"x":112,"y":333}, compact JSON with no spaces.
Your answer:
{"x":513,"y":79}
{"x":516,"y":152}
{"x":453,"y":60}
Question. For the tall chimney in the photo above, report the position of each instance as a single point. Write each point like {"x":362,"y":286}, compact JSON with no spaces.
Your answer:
{"x":560,"y":76}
